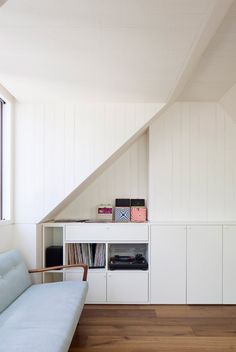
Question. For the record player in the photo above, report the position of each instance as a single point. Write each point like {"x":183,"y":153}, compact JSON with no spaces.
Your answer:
{"x":123,"y":262}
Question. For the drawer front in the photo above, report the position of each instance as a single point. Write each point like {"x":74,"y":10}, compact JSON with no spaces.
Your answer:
{"x":96,"y":283}
{"x":106,"y":232}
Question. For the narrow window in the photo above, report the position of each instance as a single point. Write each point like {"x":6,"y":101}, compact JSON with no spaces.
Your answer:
{"x":4,"y":162}
{"x":1,"y":156}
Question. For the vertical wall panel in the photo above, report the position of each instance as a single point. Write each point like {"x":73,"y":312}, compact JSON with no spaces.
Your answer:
{"x":6,"y":238}
{"x":83,"y":142}
{"x":25,"y":241}
{"x":125,"y":178}
{"x":215,"y":167}
{"x":193,"y":164}
{"x":69,"y":161}
{"x":178,"y":185}
{"x":29,"y":149}
{"x":230,"y":172}
{"x":198,"y":178}
{"x":59,"y":145}
{"x":160,"y":168}
{"x":184,"y":178}
{"x":54,"y":156}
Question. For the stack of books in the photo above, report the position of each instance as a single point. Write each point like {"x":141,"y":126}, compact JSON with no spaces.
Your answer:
{"x":92,"y":254}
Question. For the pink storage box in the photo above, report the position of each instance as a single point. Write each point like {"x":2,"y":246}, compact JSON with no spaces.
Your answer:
{"x":138,"y":214}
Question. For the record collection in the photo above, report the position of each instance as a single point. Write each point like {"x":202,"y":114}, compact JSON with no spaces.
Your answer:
{"x":92,"y":254}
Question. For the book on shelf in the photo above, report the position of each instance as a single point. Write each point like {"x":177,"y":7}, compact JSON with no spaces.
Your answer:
{"x":92,"y":254}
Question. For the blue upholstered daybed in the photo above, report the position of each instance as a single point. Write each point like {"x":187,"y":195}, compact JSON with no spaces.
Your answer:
{"x":37,"y":318}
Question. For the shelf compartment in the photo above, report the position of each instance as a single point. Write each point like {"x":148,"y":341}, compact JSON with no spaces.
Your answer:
{"x":92,"y":254}
{"x":130,"y":250}
{"x":52,"y":236}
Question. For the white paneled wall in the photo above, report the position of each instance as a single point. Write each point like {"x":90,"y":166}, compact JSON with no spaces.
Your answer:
{"x":58,"y":146}
{"x":228,"y":101}
{"x":192,"y":153}
{"x":6,"y":237}
{"x":125,"y":178}
{"x":25,"y":240}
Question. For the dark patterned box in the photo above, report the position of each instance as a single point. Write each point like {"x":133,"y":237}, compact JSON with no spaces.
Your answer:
{"x":122,"y":214}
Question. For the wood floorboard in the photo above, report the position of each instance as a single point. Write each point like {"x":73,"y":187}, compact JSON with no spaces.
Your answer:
{"x":142,"y":328}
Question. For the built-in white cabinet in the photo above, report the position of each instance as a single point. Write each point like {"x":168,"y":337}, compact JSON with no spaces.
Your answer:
{"x":127,"y":287}
{"x":105,"y":285}
{"x":204,"y":264}
{"x":193,"y":264}
{"x":168,"y":264}
{"x":229,"y":264}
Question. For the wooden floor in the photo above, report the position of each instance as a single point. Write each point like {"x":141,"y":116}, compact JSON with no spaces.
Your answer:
{"x":156,"y":328}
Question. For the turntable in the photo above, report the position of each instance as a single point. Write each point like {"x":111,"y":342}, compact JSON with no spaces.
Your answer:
{"x":122,"y":262}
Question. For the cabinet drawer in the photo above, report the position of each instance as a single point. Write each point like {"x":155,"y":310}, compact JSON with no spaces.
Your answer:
{"x":96,"y":283}
{"x":106,"y":232}
{"x":127,"y":287}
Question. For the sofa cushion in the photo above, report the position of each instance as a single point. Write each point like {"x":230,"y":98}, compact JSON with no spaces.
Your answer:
{"x":43,"y":318}
{"x":14,"y":277}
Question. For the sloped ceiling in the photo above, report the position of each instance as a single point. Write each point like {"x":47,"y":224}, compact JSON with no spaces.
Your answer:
{"x":216,"y":72}
{"x":125,"y":50}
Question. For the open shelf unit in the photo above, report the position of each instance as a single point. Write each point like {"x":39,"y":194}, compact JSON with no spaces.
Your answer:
{"x":105,"y":286}
{"x":53,"y":235}
{"x":92,"y":254}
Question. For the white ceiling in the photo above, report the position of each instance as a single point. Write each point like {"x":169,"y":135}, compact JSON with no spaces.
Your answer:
{"x":117,"y":50}
{"x":216,"y":72}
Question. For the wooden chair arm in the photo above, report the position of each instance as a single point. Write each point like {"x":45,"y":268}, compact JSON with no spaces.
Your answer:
{"x":84,"y":266}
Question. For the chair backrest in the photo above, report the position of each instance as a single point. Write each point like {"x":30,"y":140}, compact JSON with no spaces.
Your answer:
{"x":14,"y":277}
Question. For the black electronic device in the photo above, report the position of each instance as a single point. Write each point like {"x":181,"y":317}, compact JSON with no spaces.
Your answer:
{"x":123,"y":262}
{"x":137,"y":202}
{"x":122,"y":202}
{"x":54,"y":256}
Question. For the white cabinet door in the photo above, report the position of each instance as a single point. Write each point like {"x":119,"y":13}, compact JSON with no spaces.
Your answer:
{"x":168,"y":264}
{"x":96,"y":282}
{"x":229,"y":264}
{"x":204,"y":264}
{"x":127,"y":287}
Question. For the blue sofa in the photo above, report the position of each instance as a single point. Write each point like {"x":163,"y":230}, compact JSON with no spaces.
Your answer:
{"x":36,"y":318}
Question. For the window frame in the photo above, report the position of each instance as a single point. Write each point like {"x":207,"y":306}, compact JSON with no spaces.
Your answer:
{"x":6,"y":159}
{"x":1,"y":158}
